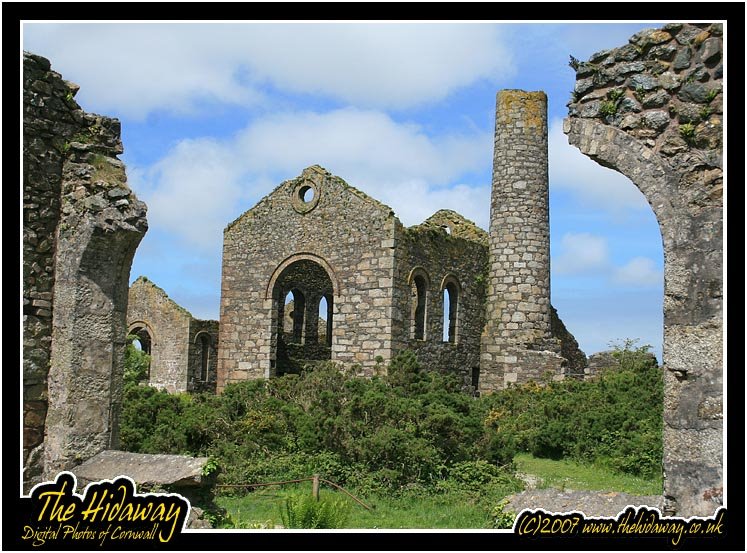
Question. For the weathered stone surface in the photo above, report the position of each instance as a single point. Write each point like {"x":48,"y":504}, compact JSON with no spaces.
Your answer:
{"x":662,"y":52}
{"x":674,"y":144}
{"x":693,"y":92}
{"x":627,"y":68}
{"x":643,"y":82}
{"x":148,"y":470}
{"x":626,"y":53}
{"x":688,"y":113}
{"x":157,"y":473}
{"x":649,"y":37}
{"x":76,"y":263}
{"x":682,"y":59}
{"x":655,"y":99}
{"x":710,"y":50}
{"x":657,"y":120}
{"x":628,"y":105}
{"x":681,"y":176}
{"x":183,"y":350}
{"x":669,"y":81}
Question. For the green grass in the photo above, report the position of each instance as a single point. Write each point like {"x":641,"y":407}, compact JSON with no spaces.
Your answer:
{"x":570,"y":475}
{"x":452,"y":508}
{"x":261,"y":509}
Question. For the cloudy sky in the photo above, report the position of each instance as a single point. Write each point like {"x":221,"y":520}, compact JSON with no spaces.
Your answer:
{"x":214,"y":116}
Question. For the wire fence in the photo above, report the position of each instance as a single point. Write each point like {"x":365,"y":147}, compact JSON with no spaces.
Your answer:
{"x":315,"y":480}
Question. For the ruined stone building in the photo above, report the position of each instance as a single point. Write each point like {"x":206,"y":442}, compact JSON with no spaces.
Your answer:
{"x":183,"y":349}
{"x":465,"y":301}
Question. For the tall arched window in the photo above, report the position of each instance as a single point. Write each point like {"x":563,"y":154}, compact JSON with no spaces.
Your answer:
{"x":450,"y":288}
{"x":419,"y":303}
{"x":204,"y":356}
{"x":325,"y":313}
{"x":293,"y":320}
{"x":143,"y":342}
{"x":302,"y":294}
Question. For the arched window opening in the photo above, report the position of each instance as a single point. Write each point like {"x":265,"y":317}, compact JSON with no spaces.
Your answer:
{"x":302,"y":302}
{"x":451,"y":306}
{"x":204,"y":356}
{"x":293,"y":320}
{"x":142,"y":342}
{"x":325,"y":320}
{"x":419,"y":301}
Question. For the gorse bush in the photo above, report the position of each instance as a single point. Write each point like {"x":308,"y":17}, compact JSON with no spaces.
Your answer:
{"x":410,"y":428}
{"x":614,"y":420}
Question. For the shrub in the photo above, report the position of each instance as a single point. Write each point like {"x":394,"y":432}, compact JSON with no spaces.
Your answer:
{"x":614,"y":420}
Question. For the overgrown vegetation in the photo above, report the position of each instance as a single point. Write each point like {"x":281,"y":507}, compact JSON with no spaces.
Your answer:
{"x":613,"y":421}
{"x":411,"y":434}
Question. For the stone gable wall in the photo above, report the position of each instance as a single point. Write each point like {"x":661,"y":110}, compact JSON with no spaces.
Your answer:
{"x":342,"y":229}
{"x":169,"y":326}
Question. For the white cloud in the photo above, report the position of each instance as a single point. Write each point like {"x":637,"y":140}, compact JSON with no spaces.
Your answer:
{"x":192,"y":191}
{"x":590,"y":183}
{"x":639,"y":271}
{"x":133,"y":69}
{"x":582,"y":253}
{"x":197,"y":188}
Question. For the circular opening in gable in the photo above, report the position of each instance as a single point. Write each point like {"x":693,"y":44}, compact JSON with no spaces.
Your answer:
{"x":306,"y":194}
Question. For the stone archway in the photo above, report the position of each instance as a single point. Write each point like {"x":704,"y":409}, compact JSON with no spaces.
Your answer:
{"x":309,"y":282}
{"x":652,"y":111}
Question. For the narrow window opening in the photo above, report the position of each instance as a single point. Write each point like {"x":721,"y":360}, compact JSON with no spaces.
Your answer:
{"x":420,"y":294}
{"x":450,"y":302}
{"x":325,"y":320}
{"x":476,"y":380}
{"x":204,"y":357}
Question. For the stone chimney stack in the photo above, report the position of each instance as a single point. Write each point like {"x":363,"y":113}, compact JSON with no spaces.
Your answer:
{"x":518,"y":297}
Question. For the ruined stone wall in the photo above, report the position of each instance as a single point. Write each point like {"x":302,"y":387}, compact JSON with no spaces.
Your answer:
{"x":652,"y":110}
{"x":81,"y":227}
{"x":576,"y":361}
{"x":169,"y":327}
{"x":517,"y":343}
{"x":602,"y":360}
{"x":44,"y":131}
{"x":195,"y":378}
{"x":347,"y":233}
{"x":459,"y":253}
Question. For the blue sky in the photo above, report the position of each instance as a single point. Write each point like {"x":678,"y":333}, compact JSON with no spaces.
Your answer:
{"x":214,"y":116}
